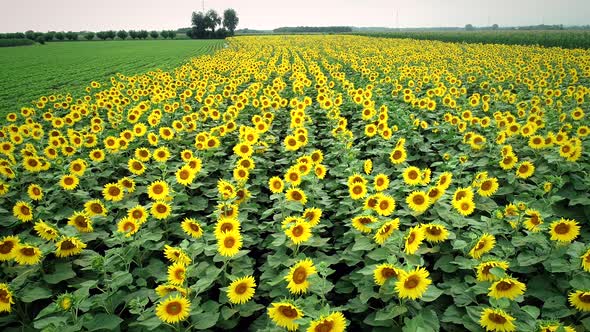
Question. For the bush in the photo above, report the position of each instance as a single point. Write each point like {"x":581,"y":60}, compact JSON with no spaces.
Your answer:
{"x":15,"y":42}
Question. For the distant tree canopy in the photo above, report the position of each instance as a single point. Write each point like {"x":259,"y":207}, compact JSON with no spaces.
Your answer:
{"x":312,"y":29}
{"x":204,"y":25}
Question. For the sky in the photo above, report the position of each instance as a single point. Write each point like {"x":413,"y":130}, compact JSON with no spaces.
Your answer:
{"x":84,"y":15}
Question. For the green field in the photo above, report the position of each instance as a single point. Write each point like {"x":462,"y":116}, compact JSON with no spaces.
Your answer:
{"x":32,"y":71}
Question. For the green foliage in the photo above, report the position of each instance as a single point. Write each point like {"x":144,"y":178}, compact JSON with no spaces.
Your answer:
{"x":154,"y":34}
{"x":230,"y":20}
{"x":15,"y":42}
{"x":122,"y":34}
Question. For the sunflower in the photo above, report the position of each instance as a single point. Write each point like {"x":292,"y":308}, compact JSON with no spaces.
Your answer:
{"x":81,"y":221}
{"x":293,"y":177}
{"x":509,"y":288}
{"x":135,"y":166}
{"x":176,"y":274}
{"x":413,"y":284}
{"x":163,"y":290}
{"x":241,"y":290}
{"x":185,"y":175}
{"x":465,"y":206}
{"x":398,"y":155}
{"x":243,"y":150}
{"x":586,"y":261}
{"x":525,"y":170}
{"x":26,"y":254}
{"x":298,"y":275}
{"x":161,"y":210}
{"x":444,"y":180}
{"x":368,"y":166}
{"x":284,"y":314}
{"x":192,"y":228}
{"x":78,"y":167}
{"x":335,"y":322}
{"x":158,"y":190}
{"x":435,"y":233}
{"x":69,"y":246}
{"x":488,"y":187}
{"x":564,"y":230}
{"x":418,"y":201}
{"x":176,"y":255}
{"x":276,"y":185}
{"x":3,"y":188}
{"x":296,"y":195}
{"x":95,"y":208}
{"x":291,"y":143}
{"x":45,"y":231}
{"x":580,"y":300}
{"x":320,"y":171}
{"x":64,"y":301}
{"x":225,"y":225}
{"x":412,"y":176}
{"x":226,"y":189}
{"x":552,"y":327}
{"x":35,"y":192}
{"x":483,"y":270}
{"x":128,"y":226}
{"x":6,"y":299}
{"x":138,"y":213}
{"x":357,"y":190}
{"x":533,"y":221}
{"x":241,"y":174}
{"x":97,"y":155}
{"x":142,"y":154}
{"x":508,"y":161}
{"x":385,"y":271}
{"x":485,"y":244}
{"x":22,"y":211}
{"x":414,"y":239}
{"x":312,"y":216}
{"x":434,"y":194}
{"x":161,"y":154}
{"x":299,"y":232}
{"x":385,"y":231}
{"x":385,"y":205}
{"x":381,"y":182}
{"x":113,"y":192}
{"x":496,"y":320}
{"x":360,"y":223}
{"x":8,"y":246}
{"x":229,"y":244}
{"x":173,"y":309}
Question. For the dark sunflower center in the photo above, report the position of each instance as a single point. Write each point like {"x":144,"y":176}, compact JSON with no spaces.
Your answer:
{"x":413,"y":175}
{"x":523,"y":169}
{"x":174,"y":308}
{"x":357,"y":190}
{"x":96,"y":208}
{"x":161,"y":208}
{"x":465,"y":206}
{"x":114,"y":191}
{"x":384,"y":205}
{"x":25,"y":210}
{"x":504,"y":286}
{"x":412,"y":282}
{"x":411,"y":238}
{"x":480,"y":245}
{"x":388,"y":273}
{"x":385,"y":229}
{"x":584,"y":297}
{"x":288,"y":312}
{"x":299,"y":275}
{"x":498,"y":319}
{"x":229,"y":242}
{"x":4,"y":296}
{"x":241,"y":288}
{"x":325,"y":326}
{"x":297,"y":231}
{"x":81,"y":221}
{"x":418,"y":200}
{"x":67,"y":245}
{"x":296,"y":196}
{"x":69,"y":181}
{"x":562,"y":228}
{"x":28,"y":251}
{"x":486,"y":185}
{"x":158,"y":189}
{"x":434,"y":231}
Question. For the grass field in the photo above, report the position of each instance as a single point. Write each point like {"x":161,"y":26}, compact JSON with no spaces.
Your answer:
{"x":30,"y":72}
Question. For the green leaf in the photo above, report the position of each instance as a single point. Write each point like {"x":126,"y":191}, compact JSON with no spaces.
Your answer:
{"x":31,"y":294}
{"x":205,"y":320}
{"x":362,"y":244}
{"x":390,"y":312}
{"x":432,"y":293}
{"x":103,"y":322}
{"x":63,"y":271}
{"x":532,"y":311}
{"x":425,"y":321}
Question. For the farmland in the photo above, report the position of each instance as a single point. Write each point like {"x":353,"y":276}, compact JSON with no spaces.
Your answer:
{"x":68,"y":67}
{"x":312,"y":183}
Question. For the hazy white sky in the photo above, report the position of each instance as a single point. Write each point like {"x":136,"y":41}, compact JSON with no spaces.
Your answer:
{"x":77,"y":15}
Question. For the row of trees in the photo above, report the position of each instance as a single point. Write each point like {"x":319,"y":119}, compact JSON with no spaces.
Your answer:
{"x":103,"y":35}
{"x":204,"y":25}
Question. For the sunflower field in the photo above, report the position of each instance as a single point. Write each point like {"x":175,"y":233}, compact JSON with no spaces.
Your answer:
{"x":311,"y":183}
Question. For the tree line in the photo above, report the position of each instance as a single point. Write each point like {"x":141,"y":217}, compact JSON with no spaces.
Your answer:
{"x":300,"y":29}
{"x":42,"y":37}
{"x":204,"y":25}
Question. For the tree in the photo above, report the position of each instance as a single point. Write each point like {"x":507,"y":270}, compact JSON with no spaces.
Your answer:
{"x":102,"y":35}
{"x":30,"y":34}
{"x":122,"y":34}
{"x":49,"y":36}
{"x":212,"y":20}
{"x":71,"y":35}
{"x":154,"y":34}
{"x":89,"y":35}
{"x":60,"y":35}
{"x":495,"y":27}
{"x":111,"y":34}
{"x":164,"y":34}
{"x":199,"y":27}
{"x":172,"y":34}
{"x":133,"y":34}
{"x":230,"y":20}
{"x":142,"y":34}
{"x":469,"y":27}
